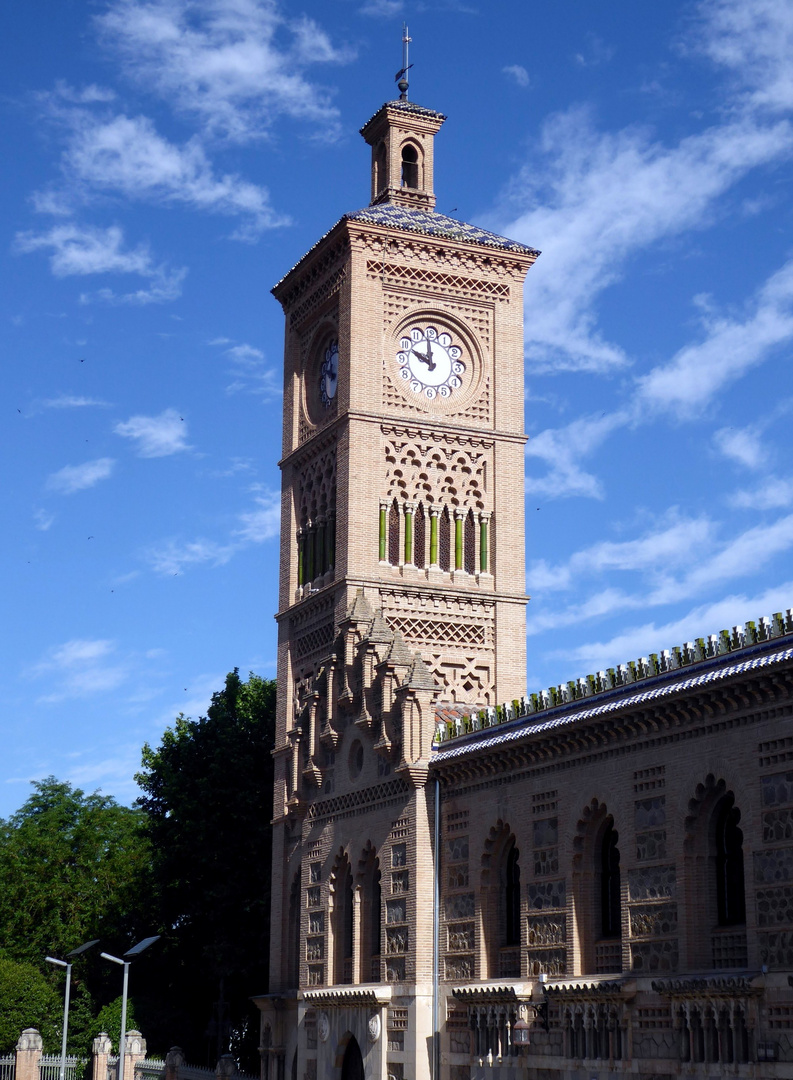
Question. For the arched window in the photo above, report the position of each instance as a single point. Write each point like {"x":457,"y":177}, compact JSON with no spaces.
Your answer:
{"x":393,"y":534}
{"x":352,"y":1062}
{"x":293,"y":935}
{"x":410,"y":166}
{"x":610,"y":913}
{"x":379,"y":168}
{"x":371,"y":917}
{"x":512,"y":898}
{"x":728,"y":844}
{"x":342,"y":922}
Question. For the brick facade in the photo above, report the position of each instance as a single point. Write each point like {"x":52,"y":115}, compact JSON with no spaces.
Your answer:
{"x":612,"y":859}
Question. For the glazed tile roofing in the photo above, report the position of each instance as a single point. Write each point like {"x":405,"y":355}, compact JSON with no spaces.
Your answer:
{"x":566,"y":715}
{"x":431,"y":224}
{"x":407,"y":107}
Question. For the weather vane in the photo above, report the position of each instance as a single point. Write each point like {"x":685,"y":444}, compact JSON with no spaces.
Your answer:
{"x":400,"y":79}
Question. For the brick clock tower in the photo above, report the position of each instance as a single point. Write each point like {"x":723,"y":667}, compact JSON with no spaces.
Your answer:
{"x":401,"y":591}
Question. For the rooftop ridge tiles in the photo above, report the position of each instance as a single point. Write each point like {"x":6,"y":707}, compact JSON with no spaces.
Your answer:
{"x":407,"y":107}
{"x":661,"y":686}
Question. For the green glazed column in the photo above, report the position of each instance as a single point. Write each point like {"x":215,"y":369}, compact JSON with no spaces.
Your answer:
{"x":409,"y":510}
{"x":483,"y":552}
{"x":459,"y":516}
{"x":383,"y":529}
{"x":435,"y":513}
{"x":319,"y":557}
{"x":301,"y":554}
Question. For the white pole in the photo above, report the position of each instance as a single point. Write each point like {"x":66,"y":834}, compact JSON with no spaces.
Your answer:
{"x":65,"y":1020}
{"x":122,"y":1042}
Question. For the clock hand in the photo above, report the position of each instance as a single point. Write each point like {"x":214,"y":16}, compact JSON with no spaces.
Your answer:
{"x":422,"y":356}
{"x":430,"y":362}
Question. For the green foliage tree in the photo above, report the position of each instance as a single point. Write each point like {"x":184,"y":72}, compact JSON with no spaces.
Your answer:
{"x":208,"y":799}
{"x":73,"y":867}
{"x":27,"y":1000}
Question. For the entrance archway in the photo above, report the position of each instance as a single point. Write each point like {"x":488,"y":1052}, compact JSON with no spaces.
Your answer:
{"x":352,"y":1065}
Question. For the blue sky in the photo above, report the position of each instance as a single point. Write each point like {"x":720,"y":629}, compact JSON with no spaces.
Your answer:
{"x":167,"y":161}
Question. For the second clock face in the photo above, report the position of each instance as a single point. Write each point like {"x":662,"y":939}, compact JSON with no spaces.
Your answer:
{"x":430,"y":362}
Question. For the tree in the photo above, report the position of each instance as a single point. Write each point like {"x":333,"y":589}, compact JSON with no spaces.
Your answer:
{"x":208,"y":799}
{"x":73,"y":867}
{"x":27,"y":1000}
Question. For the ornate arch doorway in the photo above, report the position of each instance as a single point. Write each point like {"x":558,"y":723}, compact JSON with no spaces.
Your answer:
{"x":352,"y":1065}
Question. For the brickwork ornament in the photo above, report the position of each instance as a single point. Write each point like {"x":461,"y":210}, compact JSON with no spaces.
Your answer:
{"x":323,"y":1027}
{"x":374,"y":1027}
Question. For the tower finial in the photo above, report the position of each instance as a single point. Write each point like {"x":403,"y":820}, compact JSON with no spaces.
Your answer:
{"x":400,"y":79}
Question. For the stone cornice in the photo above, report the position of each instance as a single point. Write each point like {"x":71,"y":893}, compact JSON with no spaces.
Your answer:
{"x":342,"y":997}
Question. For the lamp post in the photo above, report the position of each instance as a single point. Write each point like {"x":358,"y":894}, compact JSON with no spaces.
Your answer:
{"x":129,"y":956}
{"x":67,"y":964}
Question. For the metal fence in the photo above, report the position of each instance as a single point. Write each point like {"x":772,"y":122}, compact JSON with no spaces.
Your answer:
{"x":50,"y":1067}
{"x":8,"y":1066}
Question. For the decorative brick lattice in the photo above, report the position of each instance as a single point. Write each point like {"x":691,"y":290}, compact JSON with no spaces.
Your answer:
{"x":653,"y":1018}
{"x":650,"y":813}
{"x":547,"y":961}
{"x":544,"y":930}
{"x":649,"y":779}
{"x":395,"y":911}
{"x":316,"y":483}
{"x":459,"y":968}
{"x":316,"y":922}
{"x":773,"y":866}
{"x":457,"y":849}
{"x":652,"y":883}
{"x":460,"y":907}
{"x":777,"y":790}
{"x":457,"y":821}
{"x":728,"y":950}
{"x":328,"y":288}
{"x":778,"y":826}
{"x":780,"y":1016}
{"x":651,"y":845}
{"x":395,"y":969}
{"x":437,"y":281}
{"x":392,"y":789}
{"x":653,"y":920}
{"x":396,"y":940}
{"x":460,"y":937}
{"x":650,"y":957}
{"x":544,"y":895}
{"x":312,"y":641}
{"x":775,"y":752}
{"x":776,"y":949}
{"x":435,"y":467}
{"x":429,"y":632}
{"x":316,"y":975}
{"x":315,"y":948}
{"x":775,"y":906}
{"x":400,"y":882}
{"x":544,"y":802}
{"x":313,"y":897}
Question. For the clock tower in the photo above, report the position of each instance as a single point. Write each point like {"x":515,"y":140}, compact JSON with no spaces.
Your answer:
{"x":401,"y":593}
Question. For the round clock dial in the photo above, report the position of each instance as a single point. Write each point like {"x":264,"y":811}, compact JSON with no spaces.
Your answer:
{"x":430,"y":362}
{"x":329,"y":374}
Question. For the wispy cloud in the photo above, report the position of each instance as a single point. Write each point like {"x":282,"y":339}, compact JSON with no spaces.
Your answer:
{"x":156,"y":436}
{"x":43,"y":520}
{"x":251,"y":373}
{"x":775,"y":493}
{"x":80,"y":250}
{"x":742,"y":445}
{"x":73,"y":478}
{"x":80,"y":668}
{"x":595,"y":52}
{"x":517,"y":73}
{"x":74,"y":401}
{"x":234,"y":66}
{"x":562,"y":450}
{"x":174,"y":556}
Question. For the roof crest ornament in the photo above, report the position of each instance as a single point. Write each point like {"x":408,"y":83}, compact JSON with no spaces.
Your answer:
{"x":399,"y":78}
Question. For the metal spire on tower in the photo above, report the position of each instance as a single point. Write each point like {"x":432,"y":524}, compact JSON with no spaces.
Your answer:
{"x":400,"y":79}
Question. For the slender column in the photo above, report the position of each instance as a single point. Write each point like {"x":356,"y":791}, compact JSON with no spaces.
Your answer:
{"x":330,"y":542}
{"x":409,"y":510}
{"x":383,"y":530}
{"x":357,"y":942}
{"x":310,"y":551}
{"x":459,"y":517}
{"x":484,"y":520}
{"x":435,"y":512}
{"x":319,"y":554}
{"x":301,"y":555}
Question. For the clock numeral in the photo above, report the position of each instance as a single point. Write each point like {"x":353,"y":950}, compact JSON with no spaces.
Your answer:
{"x":454,"y":381}
{"x":431,"y":333}
{"x":405,"y":343}
{"x":416,"y":386}
{"x":458,"y":368}
{"x":405,"y":373}
{"x":402,"y":358}
{"x":430,"y":392}
{"x":455,"y":353}
{"x":416,"y":334}
{"x":445,"y":340}
{"x":444,"y":391}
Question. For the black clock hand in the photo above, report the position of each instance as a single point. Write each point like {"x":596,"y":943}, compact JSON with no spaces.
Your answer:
{"x":425,"y":359}
{"x":430,"y":361}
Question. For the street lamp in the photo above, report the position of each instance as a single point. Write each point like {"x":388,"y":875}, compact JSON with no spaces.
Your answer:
{"x":129,"y":956}
{"x":66,"y":963}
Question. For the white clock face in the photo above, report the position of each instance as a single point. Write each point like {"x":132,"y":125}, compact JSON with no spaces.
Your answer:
{"x":329,"y":374}
{"x":430,"y":363}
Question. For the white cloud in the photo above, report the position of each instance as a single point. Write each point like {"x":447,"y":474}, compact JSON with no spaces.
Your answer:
{"x":86,"y":95}
{"x":262,"y":523}
{"x":518,"y":73}
{"x":775,"y":493}
{"x":80,"y":668}
{"x":251,"y":373}
{"x":700,"y":621}
{"x":43,"y":520}
{"x":596,"y":52}
{"x":743,"y":445}
{"x":74,"y":401}
{"x":235,"y":65}
{"x":79,"y":250}
{"x":382,"y":8}
{"x":127,"y":155}
{"x":156,"y":436}
{"x":562,"y":448}
{"x":73,"y":478}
